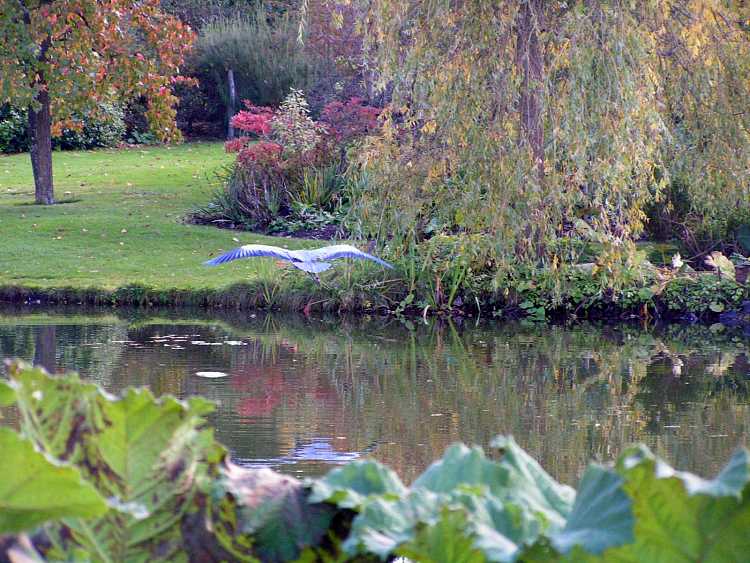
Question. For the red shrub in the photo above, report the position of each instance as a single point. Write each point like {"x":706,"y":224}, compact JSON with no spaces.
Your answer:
{"x":264,"y":153}
{"x":255,"y":119}
{"x":349,"y":120}
{"x":236,"y":145}
{"x":272,"y":162}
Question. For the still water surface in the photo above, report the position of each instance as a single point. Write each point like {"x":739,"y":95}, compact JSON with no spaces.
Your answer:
{"x":302,"y":395}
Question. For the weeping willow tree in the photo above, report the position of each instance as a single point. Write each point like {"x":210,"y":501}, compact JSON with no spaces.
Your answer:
{"x":704,"y":66}
{"x":522,"y":126}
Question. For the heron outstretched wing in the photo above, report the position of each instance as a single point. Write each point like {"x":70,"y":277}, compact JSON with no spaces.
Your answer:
{"x":251,"y":251}
{"x":341,"y":251}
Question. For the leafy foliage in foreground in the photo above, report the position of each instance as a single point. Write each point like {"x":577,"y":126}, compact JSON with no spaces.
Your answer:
{"x":171,"y":495}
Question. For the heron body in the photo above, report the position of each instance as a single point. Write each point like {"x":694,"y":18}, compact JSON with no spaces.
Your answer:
{"x":311,"y":261}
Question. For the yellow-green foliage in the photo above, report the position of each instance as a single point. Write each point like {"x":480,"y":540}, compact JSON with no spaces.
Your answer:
{"x":631,"y":93}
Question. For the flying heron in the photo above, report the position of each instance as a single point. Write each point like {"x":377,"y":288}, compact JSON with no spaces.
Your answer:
{"x":311,"y":261}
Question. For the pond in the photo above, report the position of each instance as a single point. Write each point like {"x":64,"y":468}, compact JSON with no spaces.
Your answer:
{"x":302,"y":395}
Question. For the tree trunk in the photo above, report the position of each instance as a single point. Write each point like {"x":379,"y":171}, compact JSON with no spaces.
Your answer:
{"x":40,"y":126}
{"x":45,"y":349}
{"x":232,"y":103}
{"x":530,"y":62}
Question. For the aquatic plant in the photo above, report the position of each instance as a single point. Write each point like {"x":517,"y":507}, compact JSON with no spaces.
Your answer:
{"x":138,"y":478}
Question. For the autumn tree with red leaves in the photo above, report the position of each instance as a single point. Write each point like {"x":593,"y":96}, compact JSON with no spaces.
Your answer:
{"x":58,"y":57}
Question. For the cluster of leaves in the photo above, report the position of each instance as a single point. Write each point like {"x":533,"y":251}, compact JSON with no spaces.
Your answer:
{"x":14,"y":133}
{"x":290,"y":127}
{"x":703,"y":294}
{"x":136,"y":478}
{"x":307,"y":220}
{"x":469,"y":507}
{"x":637,"y":285}
{"x":82,"y":55}
{"x":350,"y":120}
{"x":133,"y":466}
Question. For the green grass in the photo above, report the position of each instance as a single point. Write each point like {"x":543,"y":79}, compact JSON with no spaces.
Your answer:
{"x":122,"y":224}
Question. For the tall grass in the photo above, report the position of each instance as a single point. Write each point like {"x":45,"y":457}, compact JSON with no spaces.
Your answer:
{"x":263,"y":52}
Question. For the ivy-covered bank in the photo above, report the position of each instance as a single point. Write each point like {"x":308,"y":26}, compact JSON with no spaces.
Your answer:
{"x":135,"y":478}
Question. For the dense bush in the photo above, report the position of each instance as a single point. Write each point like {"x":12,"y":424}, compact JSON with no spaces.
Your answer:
{"x":14,"y":130}
{"x":349,"y":120}
{"x":102,"y":128}
{"x":289,"y":167}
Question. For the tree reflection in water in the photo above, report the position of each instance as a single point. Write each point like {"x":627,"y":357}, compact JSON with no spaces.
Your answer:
{"x":305,"y":394}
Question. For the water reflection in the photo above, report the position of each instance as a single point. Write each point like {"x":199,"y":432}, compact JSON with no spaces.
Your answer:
{"x":301,"y":395}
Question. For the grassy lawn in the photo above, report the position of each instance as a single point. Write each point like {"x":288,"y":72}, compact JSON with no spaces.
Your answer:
{"x":121,"y":223}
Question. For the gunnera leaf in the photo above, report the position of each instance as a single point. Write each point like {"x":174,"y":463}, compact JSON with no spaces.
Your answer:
{"x":386,"y":522}
{"x":602,"y":515}
{"x":516,"y":478}
{"x":682,"y":517}
{"x":7,"y":394}
{"x":349,"y":486}
{"x":275,"y":511}
{"x":34,"y":490}
{"x":149,"y":457}
{"x":448,"y":540}
{"x":500,"y":530}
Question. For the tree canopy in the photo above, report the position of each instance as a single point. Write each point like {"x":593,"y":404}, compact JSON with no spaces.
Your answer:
{"x":535,"y":123}
{"x":57,"y":57}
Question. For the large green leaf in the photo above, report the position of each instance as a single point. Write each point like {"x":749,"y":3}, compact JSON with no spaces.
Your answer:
{"x":516,"y":478}
{"x":461,"y":465}
{"x":7,"y":394}
{"x":501,"y":530}
{"x":498,"y":530}
{"x":447,"y":540}
{"x":148,"y":456}
{"x":274,"y":508}
{"x":681,"y":517}
{"x":507,"y":504}
{"x":33,"y":489}
{"x":385,"y":523}
{"x":602,"y":515}
{"x":351,"y":485}
{"x":531,"y":485}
